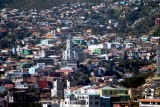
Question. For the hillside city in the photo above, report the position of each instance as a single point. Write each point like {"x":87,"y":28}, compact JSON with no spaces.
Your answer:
{"x":103,"y":54}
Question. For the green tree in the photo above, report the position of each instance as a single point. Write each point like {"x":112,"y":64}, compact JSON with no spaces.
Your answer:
{"x":157,"y":32}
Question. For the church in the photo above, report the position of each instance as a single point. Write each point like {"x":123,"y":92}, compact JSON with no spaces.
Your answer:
{"x":70,"y":56}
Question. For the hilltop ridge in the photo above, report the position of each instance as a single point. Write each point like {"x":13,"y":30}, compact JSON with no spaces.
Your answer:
{"x":38,"y":4}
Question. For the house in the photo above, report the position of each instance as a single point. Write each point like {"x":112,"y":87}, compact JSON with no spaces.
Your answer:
{"x":108,"y":101}
{"x":58,"y":88}
{"x":27,"y":51}
{"x":119,"y":91}
{"x":22,"y":97}
{"x":81,"y":100}
{"x":149,"y":102}
{"x":125,"y":104}
{"x":18,"y":77}
{"x":129,"y":74}
{"x":157,"y":22}
{"x":128,"y":45}
{"x":136,"y":92}
{"x":97,"y":47}
{"x":46,"y":61}
{"x":3,"y":102}
{"x":65,"y":70}
{"x":50,"y":103}
{"x":78,"y":40}
{"x":48,"y":41}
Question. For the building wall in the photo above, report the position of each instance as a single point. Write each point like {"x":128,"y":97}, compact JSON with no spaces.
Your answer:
{"x":3,"y":103}
{"x":82,"y":101}
{"x":32,"y":70}
{"x":109,"y":92}
{"x":58,"y":89}
{"x":104,"y":102}
{"x":116,"y":105}
{"x":158,"y":61}
{"x":27,"y":52}
{"x":148,"y":105}
{"x":95,"y":46}
{"x":47,"y":41}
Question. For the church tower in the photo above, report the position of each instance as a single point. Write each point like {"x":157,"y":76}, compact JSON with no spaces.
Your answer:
{"x":69,"y":56}
{"x":68,"y":53}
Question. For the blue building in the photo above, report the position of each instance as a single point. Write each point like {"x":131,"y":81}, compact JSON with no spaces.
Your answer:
{"x":48,"y":41}
{"x":108,"y":101}
{"x":32,"y":70}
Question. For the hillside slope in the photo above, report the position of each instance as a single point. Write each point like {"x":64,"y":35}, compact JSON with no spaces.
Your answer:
{"x":38,"y":4}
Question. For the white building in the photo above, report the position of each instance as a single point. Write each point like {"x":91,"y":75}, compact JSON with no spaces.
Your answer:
{"x":68,"y":53}
{"x":158,"y":60}
{"x":81,"y":100}
{"x":70,"y":56}
{"x":58,"y":88}
{"x":149,"y":102}
{"x":96,"y":46}
{"x":149,"y":93}
{"x":128,"y":45}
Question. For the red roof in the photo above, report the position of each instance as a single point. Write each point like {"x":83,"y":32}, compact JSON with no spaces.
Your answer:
{"x":9,"y":85}
{"x":149,"y":100}
{"x":3,"y":30}
{"x":43,"y":84}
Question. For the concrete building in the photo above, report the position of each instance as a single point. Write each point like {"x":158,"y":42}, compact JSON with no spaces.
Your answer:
{"x":81,"y":100}
{"x":149,"y":93}
{"x":78,"y":40}
{"x":157,"y":22}
{"x":158,"y":59}
{"x":48,"y":41}
{"x":69,"y":56}
{"x":149,"y":102}
{"x":58,"y":88}
{"x":118,"y":91}
{"x":68,"y":53}
{"x":3,"y":103}
{"x":96,"y":46}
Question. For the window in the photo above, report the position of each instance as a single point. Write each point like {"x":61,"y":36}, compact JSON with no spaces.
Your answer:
{"x":65,"y":102}
{"x":90,"y":103}
{"x":105,"y":92}
{"x":87,"y":103}
{"x":145,"y":102}
{"x":96,"y":97}
{"x":96,"y":103}
{"x":90,"y":97}
{"x":111,"y":92}
{"x":126,"y":92}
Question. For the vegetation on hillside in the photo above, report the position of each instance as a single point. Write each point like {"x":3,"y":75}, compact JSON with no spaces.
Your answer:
{"x":136,"y":81}
{"x":39,"y":4}
{"x":16,"y":33}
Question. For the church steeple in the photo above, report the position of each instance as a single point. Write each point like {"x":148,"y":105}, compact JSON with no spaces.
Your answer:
{"x":68,"y":54}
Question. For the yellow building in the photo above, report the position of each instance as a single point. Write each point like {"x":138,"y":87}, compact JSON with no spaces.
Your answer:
{"x":107,"y":91}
